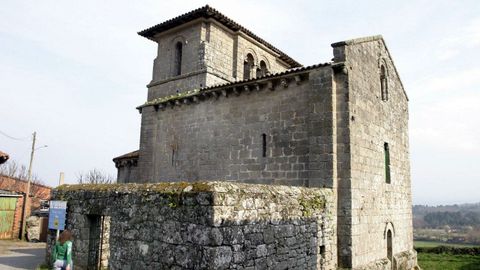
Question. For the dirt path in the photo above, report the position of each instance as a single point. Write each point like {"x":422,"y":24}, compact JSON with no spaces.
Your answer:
{"x":16,"y":255}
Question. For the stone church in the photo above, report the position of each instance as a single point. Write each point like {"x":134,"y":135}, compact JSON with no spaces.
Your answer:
{"x":224,"y":104}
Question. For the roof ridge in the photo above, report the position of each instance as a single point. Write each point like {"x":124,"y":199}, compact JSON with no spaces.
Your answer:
{"x":357,"y":40}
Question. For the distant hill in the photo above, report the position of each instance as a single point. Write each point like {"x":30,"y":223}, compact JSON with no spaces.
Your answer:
{"x":455,"y":216}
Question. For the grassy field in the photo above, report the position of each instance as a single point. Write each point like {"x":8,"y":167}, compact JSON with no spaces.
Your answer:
{"x":436,"y":244}
{"x":429,"y":261}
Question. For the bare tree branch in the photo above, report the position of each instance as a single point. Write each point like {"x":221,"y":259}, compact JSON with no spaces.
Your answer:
{"x":13,"y":169}
{"x":94,"y":176}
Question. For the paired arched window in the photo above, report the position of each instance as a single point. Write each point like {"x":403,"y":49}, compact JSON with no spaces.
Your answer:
{"x":383,"y":82}
{"x":262,"y":71}
{"x":177,"y":68}
{"x":248,"y":66}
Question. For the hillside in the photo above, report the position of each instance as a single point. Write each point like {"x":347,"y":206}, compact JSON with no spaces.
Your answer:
{"x":459,"y":223}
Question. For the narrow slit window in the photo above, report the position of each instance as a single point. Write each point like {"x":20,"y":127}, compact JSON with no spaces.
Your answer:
{"x":178,"y":59}
{"x":383,"y":83}
{"x":387,"y":163}
{"x":264,"y":145}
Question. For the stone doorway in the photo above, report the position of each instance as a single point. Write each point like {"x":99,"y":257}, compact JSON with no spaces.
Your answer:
{"x":98,"y":242}
{"x":389,"y":246}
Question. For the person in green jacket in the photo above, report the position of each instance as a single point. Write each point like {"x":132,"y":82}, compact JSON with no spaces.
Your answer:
{"x":62,"y":252}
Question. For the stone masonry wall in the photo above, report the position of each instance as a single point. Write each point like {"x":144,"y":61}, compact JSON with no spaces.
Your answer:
{"x":193,"y":66}
{"x":211,"y":55}
{"x":376,"y":206}
{"x":127,"y":173}
{"x":203,"y":225}
{"x":222,"y":138}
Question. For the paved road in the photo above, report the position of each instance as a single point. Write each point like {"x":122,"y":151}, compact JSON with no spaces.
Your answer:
{"x":16,"y":255}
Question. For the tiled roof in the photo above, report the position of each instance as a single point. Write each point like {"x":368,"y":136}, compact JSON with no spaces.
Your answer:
{"x":8,"y":193}
{"x":3,"y":157}
{"x":281,"y":73}
{"x":209,"y":12}
{"x":34,"y":183}
{"x":133,"y":154}
{"x":231,"y":84}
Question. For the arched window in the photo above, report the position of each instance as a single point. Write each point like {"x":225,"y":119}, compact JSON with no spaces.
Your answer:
{"x":263,"y":68}
{"x":177,"y":69}
{"x":383,"y":83}
{"x":389,"y":246}
{"x":248,"y":66}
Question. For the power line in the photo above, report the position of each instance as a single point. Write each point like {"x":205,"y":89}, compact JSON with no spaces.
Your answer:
{"x":14,"y":138}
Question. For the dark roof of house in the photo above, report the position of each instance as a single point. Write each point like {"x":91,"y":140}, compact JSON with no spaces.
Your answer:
{"x":209,"y":12}
{"x":133,"y":154}
{"x":3,"y":157}
{"x":9,"y":193}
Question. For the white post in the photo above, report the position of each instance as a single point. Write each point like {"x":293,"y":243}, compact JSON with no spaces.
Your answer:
{"x":61,"y":180}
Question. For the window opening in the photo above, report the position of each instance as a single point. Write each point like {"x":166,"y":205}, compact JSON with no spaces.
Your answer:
{"x":383,"y":83}
{"x":387,"y":163}
{"x":247,"y":67}
{"x":263,"y":68}
{"x":178,"y":59}
{"x":322,"y":252}
{"x":264,"y":145}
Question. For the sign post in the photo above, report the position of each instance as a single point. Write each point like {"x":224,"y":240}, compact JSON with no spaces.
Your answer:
{"x":56,"y":216}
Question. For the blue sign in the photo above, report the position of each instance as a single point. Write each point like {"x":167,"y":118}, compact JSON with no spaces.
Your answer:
{"x":56,"y":215}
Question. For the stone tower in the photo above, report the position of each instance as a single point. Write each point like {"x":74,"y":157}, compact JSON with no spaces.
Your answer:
{"x":205,"y":48}
{"x":224,"y":104}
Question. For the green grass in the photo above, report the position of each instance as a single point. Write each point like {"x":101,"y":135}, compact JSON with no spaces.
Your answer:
{"x":42,"y":267}
{"x":436,"y":244}
{"x":429,"y":261}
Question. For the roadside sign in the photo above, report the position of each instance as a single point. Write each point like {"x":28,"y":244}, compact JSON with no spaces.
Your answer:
{"x":56,"y":216}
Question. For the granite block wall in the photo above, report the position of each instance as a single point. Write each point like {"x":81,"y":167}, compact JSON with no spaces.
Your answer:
{"x":373,"y":206}
{"x":223,"y":137}
{"x":211,"y":54}
{"x":203,"y":225}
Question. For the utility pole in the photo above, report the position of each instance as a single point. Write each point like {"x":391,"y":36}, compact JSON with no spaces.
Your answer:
{"x":27,"y":194}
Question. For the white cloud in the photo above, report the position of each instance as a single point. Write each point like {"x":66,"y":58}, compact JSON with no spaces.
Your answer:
{"x":453,"y":44}
{"x":445,"y":111}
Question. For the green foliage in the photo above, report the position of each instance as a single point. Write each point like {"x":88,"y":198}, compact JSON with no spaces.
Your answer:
{"x":431,"y":261}
{"x":43,"y":267}
{"x":422,"y":244}
{"x":450,"y":250}
{"x":454,"y":219}
{"x":310,"y":205}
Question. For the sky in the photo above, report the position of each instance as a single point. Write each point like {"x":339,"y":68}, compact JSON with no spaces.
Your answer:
{"x":74,"y":71}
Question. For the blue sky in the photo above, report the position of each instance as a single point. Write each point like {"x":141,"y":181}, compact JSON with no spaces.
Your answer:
{"x":74,"y":71}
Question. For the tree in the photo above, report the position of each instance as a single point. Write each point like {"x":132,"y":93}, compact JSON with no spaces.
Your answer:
{"x":94,"y":176}
{"x":15,"y":170}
